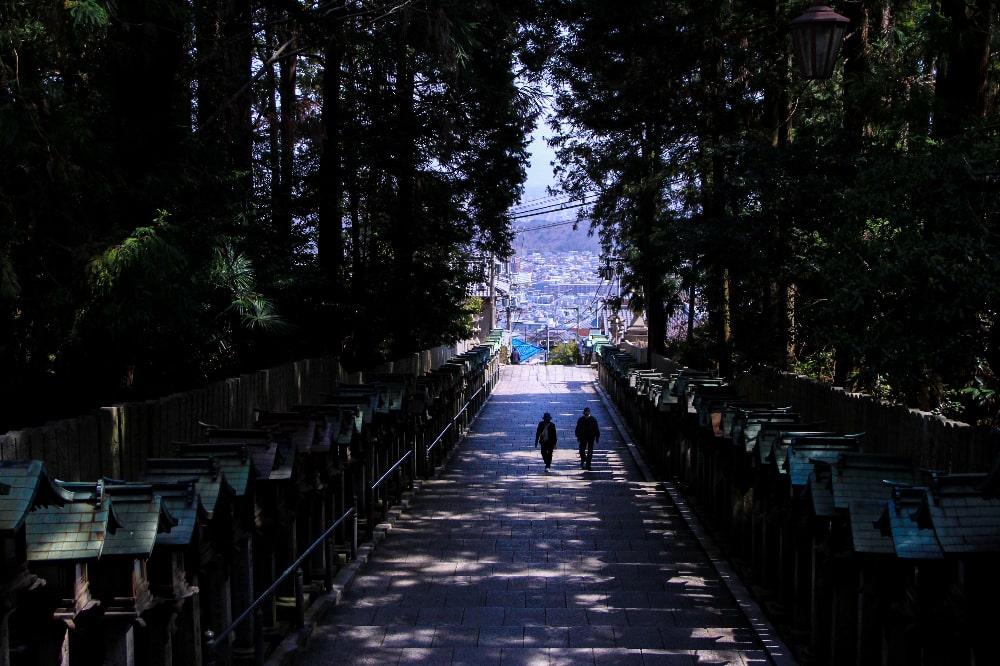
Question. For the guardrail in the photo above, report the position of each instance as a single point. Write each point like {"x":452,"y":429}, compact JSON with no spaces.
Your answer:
{"x":213,"y":640}
{"x":440,"y":436}
{"x":460,"y":421}
{"x":385,"y":500}
{"x":455,"y":428}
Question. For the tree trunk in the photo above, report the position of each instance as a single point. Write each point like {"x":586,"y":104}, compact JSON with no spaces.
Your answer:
{"x":963,"y":70}
{"x":285,"y":176}
{"x":656,"y":319}
{"x":778,"y":119}
{"x":238,"y":51}
{"x":403,"y":216}
{"x":692,"y":294}
{"x":224,"y":45}
{"x":331,"y":181}
{"x":270,"y":102}
{"x":856,"y":66}
{"x":147,"y":96}
{"x":856,"y":72}
{"x":357,"y":272}
{"x":713,"y":202}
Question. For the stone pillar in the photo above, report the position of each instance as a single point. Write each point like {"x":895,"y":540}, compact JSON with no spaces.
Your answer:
{"x":7,"y":606}
{"x":243,"y":589}
{"x":119,"y":650}
{"x":186,"y":642}
{"x":153,"y":640}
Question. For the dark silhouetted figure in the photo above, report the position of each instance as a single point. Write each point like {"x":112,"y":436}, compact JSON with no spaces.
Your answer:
{"x":587,"y":432}
{"x":545,"y":435}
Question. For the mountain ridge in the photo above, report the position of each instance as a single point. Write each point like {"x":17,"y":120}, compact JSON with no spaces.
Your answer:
{"x":543,"y":234}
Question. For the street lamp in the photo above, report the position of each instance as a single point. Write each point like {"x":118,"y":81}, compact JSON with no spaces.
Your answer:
{"x":817,"y":36}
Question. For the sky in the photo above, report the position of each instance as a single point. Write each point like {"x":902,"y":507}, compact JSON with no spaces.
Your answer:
{"x":539,"y":169}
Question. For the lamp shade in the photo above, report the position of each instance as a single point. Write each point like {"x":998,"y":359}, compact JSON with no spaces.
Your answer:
{"x":817,"y":36}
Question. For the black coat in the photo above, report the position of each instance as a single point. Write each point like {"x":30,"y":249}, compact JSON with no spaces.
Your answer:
{"x":552,"y":433}
{"x":587,"y":429}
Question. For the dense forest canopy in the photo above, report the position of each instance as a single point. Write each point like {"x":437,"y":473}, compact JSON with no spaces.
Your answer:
{"x":844,"y":228}
{"x":192,"y":190}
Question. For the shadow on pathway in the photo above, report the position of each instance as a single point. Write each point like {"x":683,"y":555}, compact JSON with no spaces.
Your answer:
{"x":497,"y":561}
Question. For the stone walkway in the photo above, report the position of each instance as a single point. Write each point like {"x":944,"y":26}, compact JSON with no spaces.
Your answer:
{"x":497,"y":561}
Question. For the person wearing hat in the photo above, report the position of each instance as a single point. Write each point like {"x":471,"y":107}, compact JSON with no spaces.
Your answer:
{"x":545,"y":435}
{"x":587,"y":432}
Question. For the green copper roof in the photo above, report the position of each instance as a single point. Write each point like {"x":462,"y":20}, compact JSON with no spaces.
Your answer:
{"x":75,"y":531}
{"x":25,"y":485}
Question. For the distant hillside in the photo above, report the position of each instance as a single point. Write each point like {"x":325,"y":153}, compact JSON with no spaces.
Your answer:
{"x":538,"y":235}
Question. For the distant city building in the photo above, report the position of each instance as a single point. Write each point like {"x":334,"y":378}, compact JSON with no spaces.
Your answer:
{"x":548,"y":291}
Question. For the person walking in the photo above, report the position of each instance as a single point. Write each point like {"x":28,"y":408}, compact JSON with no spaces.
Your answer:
{"x":545,"y":434}
{"x":587,"y":432}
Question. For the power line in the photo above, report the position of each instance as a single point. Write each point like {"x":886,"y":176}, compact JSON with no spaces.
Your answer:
{"x":535,"y":202}
{"x":540,"y":207}
{"x":546,"y":204}
{"x":555,"y":208}
{"x":545,"y":226}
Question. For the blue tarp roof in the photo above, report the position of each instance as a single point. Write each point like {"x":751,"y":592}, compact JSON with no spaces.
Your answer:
{"x":525,"y":350}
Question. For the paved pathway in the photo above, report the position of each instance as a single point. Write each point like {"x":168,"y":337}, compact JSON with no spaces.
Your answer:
{"x":497,"y":561}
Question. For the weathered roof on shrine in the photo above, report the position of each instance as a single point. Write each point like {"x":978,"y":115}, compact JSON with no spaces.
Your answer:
{"x":897,"y":522}
{"x":75,"y":531}
{"x":268,"y":451}
{"x":143,"y":516}
{"x":858,"y":477}
{"x":210,"y":480}
{"x":803,"y":451}
{"x":865,"y":537}
{"x":180,"y":500}
{"x":24,"y":486}
{"x":963,"y":519}
{"x":774,"y":438}
{"x":234,"y":461}
{"x":299,"y":429}
{"x":820,"y":491}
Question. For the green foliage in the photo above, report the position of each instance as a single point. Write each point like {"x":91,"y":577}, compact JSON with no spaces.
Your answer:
{"x":913,"y":270}
{"x":818,"y":365}
{"x":821,"y":226}
{"x":146,"y":255}
{"x":977,"y":402}
{"x":567,"y":353}
{"x":613,"y":76}
{"x":109,"y":117}
{"x":697,"y":352}
{"x":233,"y":272}
{"x":89,"y":15}
{"x":9,"y":286}
{"x":349,"y":188}
{"x":147,"y":297}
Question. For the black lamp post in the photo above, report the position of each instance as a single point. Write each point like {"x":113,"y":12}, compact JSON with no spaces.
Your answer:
{"x":817,"y":36}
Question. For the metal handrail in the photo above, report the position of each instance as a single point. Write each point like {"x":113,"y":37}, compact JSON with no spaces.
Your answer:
{"x":212,"y":640}
{"x":374,"y":491}
{"x":435,"y":442}
{"x":460,"y":412}
{"x":392,"y":469}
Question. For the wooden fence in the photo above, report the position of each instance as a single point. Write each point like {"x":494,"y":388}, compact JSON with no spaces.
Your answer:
{"x":115,"y":441}
{"x":927,"y":439}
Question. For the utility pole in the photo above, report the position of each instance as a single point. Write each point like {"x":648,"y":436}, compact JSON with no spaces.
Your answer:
{"x":493,"y":294}
{"x":579,"y":342}
{"x":612,"y":272}
{"x":548,"y":344}
{"x":576,"y":332}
